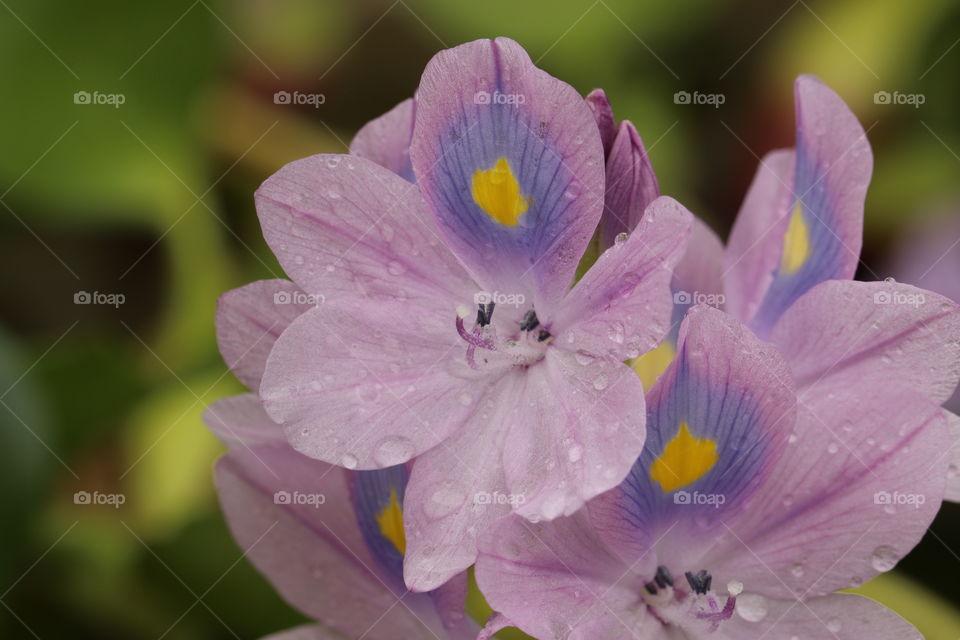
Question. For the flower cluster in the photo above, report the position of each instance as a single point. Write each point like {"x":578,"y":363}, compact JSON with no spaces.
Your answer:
{"x":687,"y":440}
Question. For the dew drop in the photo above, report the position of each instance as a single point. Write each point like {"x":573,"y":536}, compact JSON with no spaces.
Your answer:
{"x":834,"y":625}
{"x":620,"y":239}
{"x":465,"y":399}
{"x":752,"y":607}
{"x":583,"y":358}
{"x":833,"y":447}
{"x":616,"y":332}
{"x":443,"y":502}
{"x":574,"y":453}
{"x":797,"y":570}
{"x":349,"y":461}
{"x":600,"y":382}
{"x":394,"y":450}
{"x":884,"y":558}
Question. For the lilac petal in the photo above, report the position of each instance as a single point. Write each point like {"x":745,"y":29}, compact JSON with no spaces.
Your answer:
{"x":727,"y":400}
{"x":368,"y":384}
{"x":953,"y":469}
{"x":756,"y":240}
{"x":559,"y":575}
{"x":857,"y":335}
{"x":861,"y":480}
{"x":576,"y":433}
{"x":250,"y":319}
{"x":484,"y":106}
{"x":823,"y":215}
{"x":697,"y":277}
{"x":631,"y":185}
{"x":386,"y":140}
{"x":343,"y":226}
{"x":306,"y":632}
{"x":603,"y":113}
{"x":833,"y":617}
{"x":240,"y":422}
{"x":621,"y":307}
{"x":456,"y":490}
{"x":314,"y":554}
{"x":696,"y":280}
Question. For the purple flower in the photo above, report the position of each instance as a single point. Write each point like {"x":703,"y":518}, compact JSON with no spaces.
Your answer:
{"x":787,"y":271}
{"x":741,"y":519}
{"x":330,"y":540}
{"x":431,"y":314}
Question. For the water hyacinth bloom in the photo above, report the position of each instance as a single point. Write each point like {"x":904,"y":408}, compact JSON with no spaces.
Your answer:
{"x":438,"y":321}
{"x":787,"y":271}
{"x":731,"y":524}
{"x":330,"y":540}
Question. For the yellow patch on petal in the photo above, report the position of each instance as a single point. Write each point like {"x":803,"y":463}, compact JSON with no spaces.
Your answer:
{"x":796,"y":243}
{"x":684,"y":460}
{"x":497,"y":192}
{"x":652,"y":364}
{"x":390,"y":521}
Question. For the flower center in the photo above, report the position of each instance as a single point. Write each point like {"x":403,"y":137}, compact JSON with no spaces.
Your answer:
{"x":696,"y":608}
{"x":522,"y":348}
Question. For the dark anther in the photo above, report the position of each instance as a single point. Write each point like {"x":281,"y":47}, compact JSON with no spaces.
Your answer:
{"x":663,"y":577}
{"x":530,"y":321}
{"x":485,"y":313}
{"x":651,"y":588}
{"x":699,"y":582}
{"x":543,"y":336}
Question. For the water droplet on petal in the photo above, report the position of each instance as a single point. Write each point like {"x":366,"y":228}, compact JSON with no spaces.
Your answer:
{"x":884,"y":558}
{"x":833,"y":447}
{"x":600,"y":382}
{"x":734,"y":587}
{"x":797,"y":570}
{"x":620,"y":239}
{"x":574,"y":453}
{"x":834,"y":625}
{"x":752,"y":607}
{"x":465,"y":399}
{"x":443,"y":502}
{"x":394,"y":450}
{"x":349,"y":461}
{"x":616,"y":332}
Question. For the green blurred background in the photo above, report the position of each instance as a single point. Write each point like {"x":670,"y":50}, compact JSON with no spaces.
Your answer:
{"x":152,"y":199}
